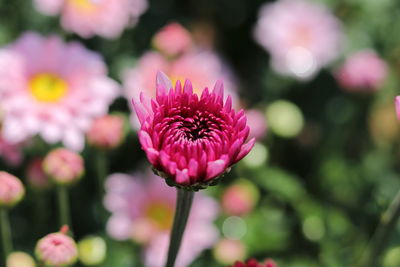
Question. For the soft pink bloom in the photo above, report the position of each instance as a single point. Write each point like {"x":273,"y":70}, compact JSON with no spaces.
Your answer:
{"x":53,"y":89}
{"x":63,"y":166}
{"x":172,"y":39}
{"x":11,"y":190}
{"x":257,"y":123}
{"x":107,"y":132}
{"x":35,"y":174}
{"x":191,"y":139}
{"x":106,"y":18}
{"x":10,"y":152}
{"x":362,"y":71}
{"x":239,"y":199}
{"x":142,"y":209}
{"x":57,"y":249}
{"x":301,"y":36}
{"x":227,"y":251}
{"x":255,"y":263}
{"x":203,"y":69}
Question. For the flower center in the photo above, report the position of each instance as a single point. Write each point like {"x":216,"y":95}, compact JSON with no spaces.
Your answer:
{"x":85,"y":5}
{"x":47,"y":87}
{"x":160,"y":214}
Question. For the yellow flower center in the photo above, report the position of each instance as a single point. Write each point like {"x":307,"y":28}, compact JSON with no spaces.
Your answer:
{"x":47,"y":87}
{"x":161,"y":214}
{"x":84,"y":5}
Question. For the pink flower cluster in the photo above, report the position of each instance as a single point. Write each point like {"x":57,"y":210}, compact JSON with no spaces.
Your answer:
{"x":52,"y":89}
{"x":300,"y":35}
{"x":106,"y":18}
{"x":191,"y":139}
{"x":142,"y":210}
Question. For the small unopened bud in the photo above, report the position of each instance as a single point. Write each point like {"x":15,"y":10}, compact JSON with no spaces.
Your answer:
{"x":107,"y":132}
{"x":57,"y":249}
{"x":20,"y":259}
{"x":11,"y":190}
{"x":92,"y":250}
{"x":63,"y":166}
{"x":35,"y":175}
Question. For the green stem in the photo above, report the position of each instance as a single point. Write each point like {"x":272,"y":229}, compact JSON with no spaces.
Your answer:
{"x":383,"y":233}
{"x":101,"y":169}
{"x":183,"y":205}
{"x":5,"y":234}
{"x":63,"y":206}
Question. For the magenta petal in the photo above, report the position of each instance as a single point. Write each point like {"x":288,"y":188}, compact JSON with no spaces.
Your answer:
{"x":219,"y":89}
{"x":152,"y":155}
{"x":245,"y":149}
{"x":188,"y":88}
{"x":228,"y":104}
{"x":193,"y":167}
{"x":182,"y":176}
{"x":163,"y":80}
{"x":216,"y":167}
{"x":141,"y":112}
{"x":145,"y":139}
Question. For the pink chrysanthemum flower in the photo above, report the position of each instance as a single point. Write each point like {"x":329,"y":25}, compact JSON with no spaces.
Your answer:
{"x":301,"y":36}
{"x":143,"y":210}
{"x":107,"y":132}
{"x":106,"y":18}
{"x":63,"y":166}
{"x":57,"y":249}
{"x":172,"y":39}
{"x":255,"y":263}
{"x":363,"y":71}
{"x":52,"y":89}
{"x":11,"y":190}
{"x":190,"y":139}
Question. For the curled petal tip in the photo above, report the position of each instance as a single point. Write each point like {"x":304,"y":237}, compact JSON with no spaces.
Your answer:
{"x":163,"y":82}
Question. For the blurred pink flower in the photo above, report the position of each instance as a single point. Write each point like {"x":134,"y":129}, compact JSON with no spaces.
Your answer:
{"x":191,"y":139}
{"x":11,"y":189}
{"x":240,"y":198}
{"x":362,"y":71}
{"x":142,"y":210}
{"x":57,"y":249}
{"x":63,"y":166}
{"x":106,"y":18}
{"x":10,"y":152}
{"x":227,"y":251}
{"x":52,"y":89}
{"x":172,"y":39}
{"x":35,"y":174}
{"x":107,"y":132}
{"x":203,"y":69}
{"x":301,"y":36}
{"x":257,"y":123}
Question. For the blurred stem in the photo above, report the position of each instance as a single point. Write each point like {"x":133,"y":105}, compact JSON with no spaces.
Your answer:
{"x":5,"y":234}
{"x":183,"y":204}
{"x":383,"y":233}
{"x":101,"y":170}
{"x":63,"y":206}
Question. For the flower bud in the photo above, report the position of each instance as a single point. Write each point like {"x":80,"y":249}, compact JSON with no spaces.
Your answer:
{"x":63,"y":166}
{"x":36,"y":176}
{"x":107,"y":132}
{"x":172,"y":39}
{"x":11,"y":190}
{"x":92,"y":250}
{"x":57,"y":249}
{"x":239,"y":198}
{"x":20,"y":259}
